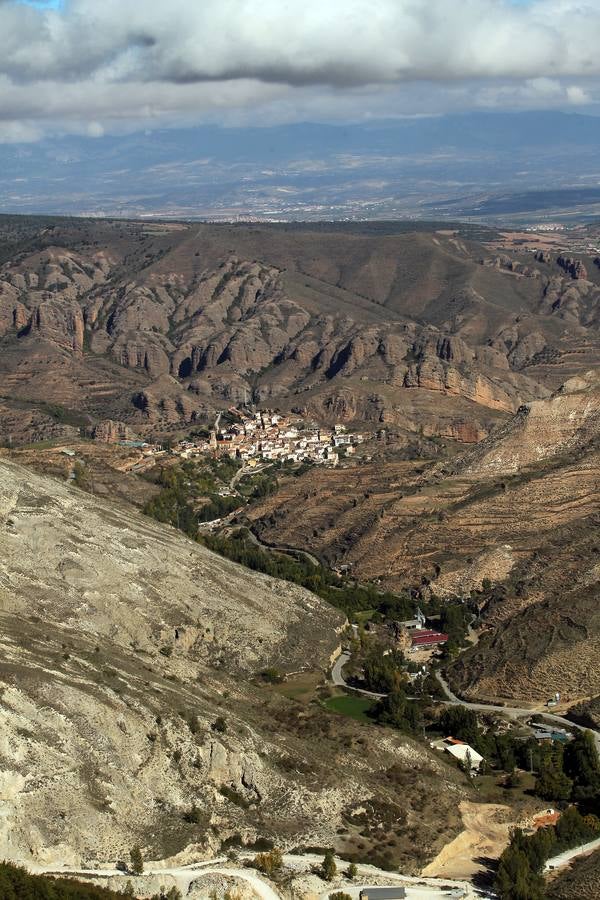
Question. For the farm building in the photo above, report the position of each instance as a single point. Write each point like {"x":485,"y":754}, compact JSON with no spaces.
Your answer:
{"x":460,"y":751}
{"x":428,"y":638}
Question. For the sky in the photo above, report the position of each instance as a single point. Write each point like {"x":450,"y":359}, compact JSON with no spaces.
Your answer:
{"x":95,"y":67}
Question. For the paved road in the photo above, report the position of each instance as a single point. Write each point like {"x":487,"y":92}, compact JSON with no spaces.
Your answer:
{"x":241,"y":473}
{"x":337,"y":676}
{"x":281,"y":548}
{"x":513,"y":712}
{"x":184,"y":876}
{"x":557,"y":862}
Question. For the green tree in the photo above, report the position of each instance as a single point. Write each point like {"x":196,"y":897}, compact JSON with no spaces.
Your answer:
{"x":352,"y":871}
{"x":461,"y":723}
{"x":382,"y":674}
{"x":571,"y":829}
{"x":328,"y":866}
{"x":515,"y":879}
{"x":172,"y":894}
{"x":582,"y":765}
{"x":18,"y":884}
{"x":513,"y":780}
{"x":137,"y":861}
{"x":552,"y":783}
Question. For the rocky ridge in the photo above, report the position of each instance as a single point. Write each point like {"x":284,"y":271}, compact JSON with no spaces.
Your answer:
{"x":159,"y":330}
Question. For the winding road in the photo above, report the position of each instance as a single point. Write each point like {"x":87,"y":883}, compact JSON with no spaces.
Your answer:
{"x":563,"y":859}
{"x":281,"y":548}
{"x":185,"y":876}
{"x":511,"y":712}
{"x":338,"y":679}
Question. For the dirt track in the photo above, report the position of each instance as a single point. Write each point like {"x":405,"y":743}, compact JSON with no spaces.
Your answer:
{"x":485,"y":835}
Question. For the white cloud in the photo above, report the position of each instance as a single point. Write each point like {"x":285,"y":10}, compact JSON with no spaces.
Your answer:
{"x":577,"y":95}
{"x":102,"y":64}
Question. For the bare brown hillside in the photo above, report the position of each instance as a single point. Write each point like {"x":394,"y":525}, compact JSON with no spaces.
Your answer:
{"x":521,"y":509}
{"x":581,"y":881}
{"x":159,"y":327}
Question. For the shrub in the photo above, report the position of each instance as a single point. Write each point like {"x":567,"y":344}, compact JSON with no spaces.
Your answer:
{"x":269,"y":863}
{"x":193,"y":815}
{"x":272,"y":676}
{"x":234,"y":796}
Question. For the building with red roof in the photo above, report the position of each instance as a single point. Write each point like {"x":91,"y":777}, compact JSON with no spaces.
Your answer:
{"x":428,"y":638}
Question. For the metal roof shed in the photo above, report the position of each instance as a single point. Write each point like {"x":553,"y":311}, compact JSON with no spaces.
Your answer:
{"x":383,"y":893}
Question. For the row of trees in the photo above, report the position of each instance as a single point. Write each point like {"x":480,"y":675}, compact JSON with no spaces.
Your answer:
{"x":184,"y":484}
{"x":18,"y":884}
{"x":571,"y":772}
{"x":341,"y":593}
{"x":398,"y":711}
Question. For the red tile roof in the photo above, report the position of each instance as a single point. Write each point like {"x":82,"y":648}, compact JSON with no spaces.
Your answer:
{"x":546,"y":821}
{"x":426,"y":638}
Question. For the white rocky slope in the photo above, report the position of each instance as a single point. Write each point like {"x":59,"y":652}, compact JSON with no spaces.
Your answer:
{"x":130,"y":714}
{"x":107,"y":571}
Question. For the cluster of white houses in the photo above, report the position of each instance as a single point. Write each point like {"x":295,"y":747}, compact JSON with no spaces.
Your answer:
{"x":268,"y":436}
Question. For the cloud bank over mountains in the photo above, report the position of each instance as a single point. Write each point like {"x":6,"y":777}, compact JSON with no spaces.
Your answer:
{"x":98,"y":65}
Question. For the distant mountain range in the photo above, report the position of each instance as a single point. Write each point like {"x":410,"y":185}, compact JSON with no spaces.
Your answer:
{"x":490,"y":166}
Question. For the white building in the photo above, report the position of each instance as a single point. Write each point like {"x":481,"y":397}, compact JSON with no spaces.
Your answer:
{"x":466,"y":755}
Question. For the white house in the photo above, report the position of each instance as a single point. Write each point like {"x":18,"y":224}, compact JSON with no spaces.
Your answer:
{"x":460,"y":751}
{"x":465,"y":755}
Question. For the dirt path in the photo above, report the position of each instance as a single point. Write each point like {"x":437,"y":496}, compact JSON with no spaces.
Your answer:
{"x":184,"y":877}
{"x":485,"y":836}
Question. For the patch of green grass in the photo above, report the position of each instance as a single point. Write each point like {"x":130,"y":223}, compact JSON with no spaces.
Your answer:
{"x":490,"y":790}
{"x":353,"y":707}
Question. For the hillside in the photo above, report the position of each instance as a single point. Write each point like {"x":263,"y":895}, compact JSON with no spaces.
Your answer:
{"x":132,"y":710}
{"x":161,"y":325}
{"x":581,"y":881}
{"x":520,"y":508}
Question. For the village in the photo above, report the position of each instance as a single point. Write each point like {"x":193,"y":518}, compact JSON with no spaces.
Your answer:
{"x":264,"y":436}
